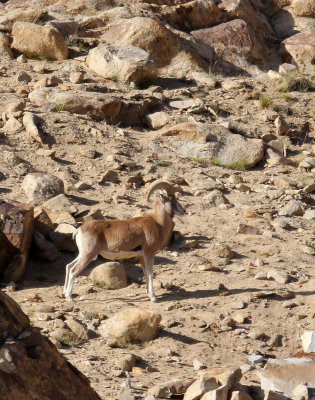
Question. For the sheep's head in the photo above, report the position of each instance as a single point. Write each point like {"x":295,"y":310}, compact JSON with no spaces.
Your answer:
{"x":170,"y":202}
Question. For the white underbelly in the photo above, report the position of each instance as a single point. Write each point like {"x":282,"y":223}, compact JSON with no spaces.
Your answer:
{"x":120,"y":255}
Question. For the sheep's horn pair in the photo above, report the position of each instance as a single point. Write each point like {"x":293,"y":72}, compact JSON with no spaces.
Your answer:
{"x":160,"y":184}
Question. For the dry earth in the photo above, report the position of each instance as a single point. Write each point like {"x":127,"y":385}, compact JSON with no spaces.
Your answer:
{"x":206,"y":288}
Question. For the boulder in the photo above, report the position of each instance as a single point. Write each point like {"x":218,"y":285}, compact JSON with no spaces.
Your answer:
{"x":40,"y":187}
{"x":25,"y":14}
{"x":27,"y":356}
{"x":130,"y":325}
{"x":37,"y":40}
{"x":16,"y":230}
{"x":12,"y":319}
{"x":126,"y":63}
{"x":99,"y":107}
{"x":62,"y":237}
{"x":214,"y":143}
{"x":304,"y":8}
{"x":158,"y":119}
{"x":201,"y":386}
{"x":110,"y":275}
{"x":300,"y":50}
{"x":284,"y":375}
{"x":170,"y":52}
{"x":192,"y":15}
{"x":236,"y":35}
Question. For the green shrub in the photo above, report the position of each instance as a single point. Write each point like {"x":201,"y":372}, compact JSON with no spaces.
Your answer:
{"x":295,"y":83}
{"x":264,"y":101}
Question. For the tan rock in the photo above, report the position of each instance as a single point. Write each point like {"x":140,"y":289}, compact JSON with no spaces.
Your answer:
{"x":224,"y":375}
{"x":36,"y":40}
{"x":158,"y":119}
{"x":218,"y":394}
{"x":170,"y":52}
{"x":30,"y":125}
{"x":62,"y":237}
{"x":110,"y":275}
{"x":301,"y":48}
{"x":304,"y":8}
{"x":126,"y":63}
{"x":201,"y":386}
{"x":130,"y":325}
{"x":40,"y":187}
{"x":77,"y":328}
{"x":168,"y":389}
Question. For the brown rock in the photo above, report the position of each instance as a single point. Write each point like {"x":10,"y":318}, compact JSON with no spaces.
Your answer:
{"x":5,"y":49}
{"x":12,"y":319}
{"x":16,"y":230}
{"x":30,"y":357}
{"x":234,"y":35}
{"x":32,"y":39}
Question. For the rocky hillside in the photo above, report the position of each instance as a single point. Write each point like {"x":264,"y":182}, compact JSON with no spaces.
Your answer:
{"x":99,"y":99}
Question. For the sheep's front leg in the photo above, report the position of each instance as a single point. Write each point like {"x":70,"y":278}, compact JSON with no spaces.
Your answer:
{"x":149,"y":261}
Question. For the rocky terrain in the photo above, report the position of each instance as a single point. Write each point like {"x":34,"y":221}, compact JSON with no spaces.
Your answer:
{"x":99,"y":99}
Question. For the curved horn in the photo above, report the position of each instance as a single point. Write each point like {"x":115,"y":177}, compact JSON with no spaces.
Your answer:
{"x":160,"y":184}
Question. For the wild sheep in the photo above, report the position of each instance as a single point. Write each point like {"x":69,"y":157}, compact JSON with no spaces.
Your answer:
{"x":141,"y":237}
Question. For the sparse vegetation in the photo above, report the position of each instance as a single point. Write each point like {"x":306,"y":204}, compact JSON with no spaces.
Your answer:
{"x":70,"y":341}
{"x":60,"y":107}
{"x":38,"y":58}
{"x":264,"y":101}
{"x":114,"y":284}
{"x":114,"y":78}
{"x":199,"y":160}
{"x":241,"y":165}
{"x":215,"y":161}
{"x":295,"y":83}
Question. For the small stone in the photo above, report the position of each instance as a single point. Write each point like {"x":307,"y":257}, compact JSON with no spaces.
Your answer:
{"x":248,"y":229}
{"x":23,"y":77}
{"x":255,"y":358}
{"x":256,"y":335}
{"x":198,"y":365}
{"x":261,"y":276}
{"x":224,"y":251}
{"x":275,"y":341}
{"x":292,"y":208}
{"x":279,"y":276}
{"x":125,"y":362}
{"x":109,"y":176}
{"x":309,"y":214}
{"x":76,"y":77}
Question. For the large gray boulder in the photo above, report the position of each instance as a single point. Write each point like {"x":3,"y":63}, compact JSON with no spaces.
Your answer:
{"x":213,"y":143}
{"x":126,"y":63}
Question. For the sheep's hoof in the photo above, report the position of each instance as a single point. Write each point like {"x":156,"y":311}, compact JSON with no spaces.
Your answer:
{"x":154,"y":299}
